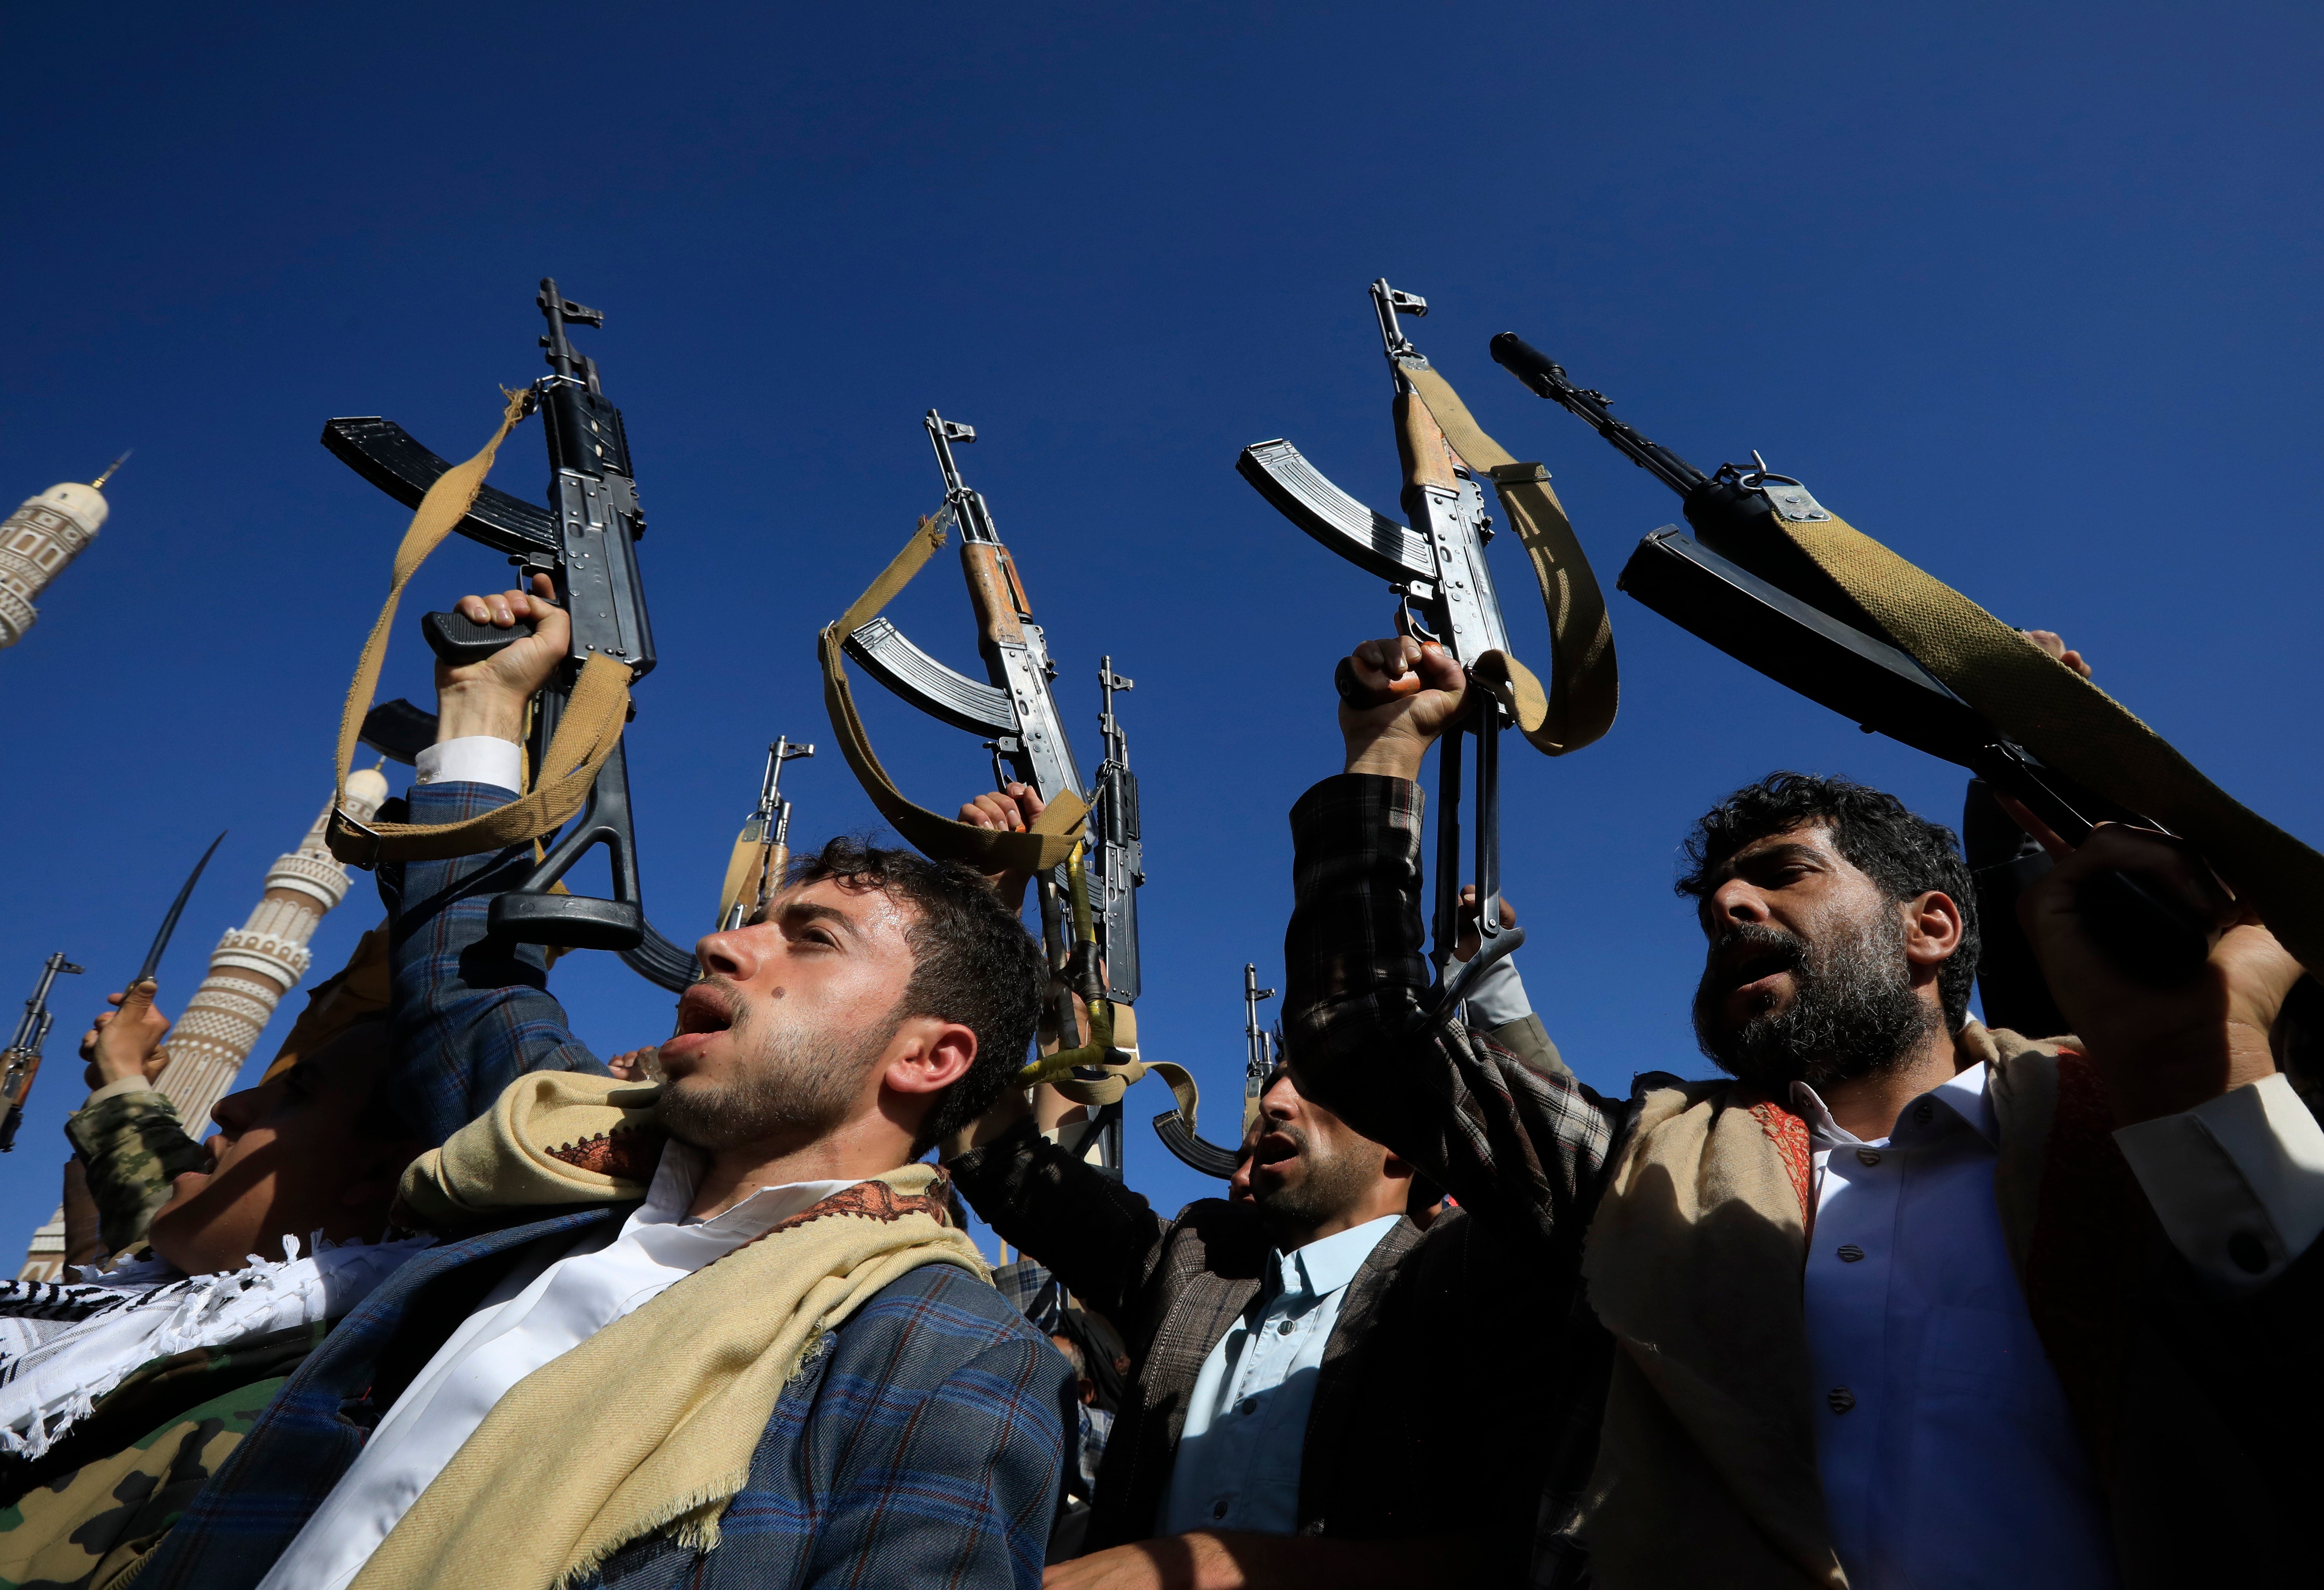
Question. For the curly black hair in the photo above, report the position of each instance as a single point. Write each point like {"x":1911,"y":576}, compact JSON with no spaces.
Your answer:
{"x":973,"y":963}
{"x":1903,"y":853}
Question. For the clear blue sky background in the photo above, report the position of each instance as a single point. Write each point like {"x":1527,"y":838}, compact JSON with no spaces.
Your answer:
{"x":2026,"y":291}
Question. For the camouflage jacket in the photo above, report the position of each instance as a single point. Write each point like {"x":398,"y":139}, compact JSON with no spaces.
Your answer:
{"x":132,"y":1144}
{"x":87,"y":1514}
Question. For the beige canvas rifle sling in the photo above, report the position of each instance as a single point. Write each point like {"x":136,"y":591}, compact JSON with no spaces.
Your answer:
{"x":586,"y":735}
{"x":1054,"y":833}
{"x":2073,"y":726}
{"x":1584,"y":687}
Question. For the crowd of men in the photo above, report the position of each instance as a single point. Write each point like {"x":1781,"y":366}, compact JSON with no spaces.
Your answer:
{"x":1900,"y":1299}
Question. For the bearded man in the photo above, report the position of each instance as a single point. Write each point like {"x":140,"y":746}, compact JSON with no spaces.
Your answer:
{"x":1304,"y":1409}
{"x":1906,"y":1302}
{"x":714,"y":1332}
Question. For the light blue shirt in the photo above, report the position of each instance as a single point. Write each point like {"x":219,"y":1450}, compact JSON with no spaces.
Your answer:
{"x":1238,"y":1456}
{"x":1949,"y":1456}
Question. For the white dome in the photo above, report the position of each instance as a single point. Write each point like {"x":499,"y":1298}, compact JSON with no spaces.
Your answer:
{"x":366,"y":788}
{"x":85,"y":505}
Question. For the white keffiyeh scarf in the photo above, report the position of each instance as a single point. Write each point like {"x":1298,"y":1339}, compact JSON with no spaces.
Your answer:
{"x":65,"y":1345}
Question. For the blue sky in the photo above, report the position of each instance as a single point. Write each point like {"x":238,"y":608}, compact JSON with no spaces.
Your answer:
{"x":2027,"y":292}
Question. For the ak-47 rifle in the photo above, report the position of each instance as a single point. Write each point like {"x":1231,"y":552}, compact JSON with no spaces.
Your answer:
{"x":1016,"y":714}
{"x":762,"y":852}
{"x":1748,"y":590}
{"x":1116,"y":849}
{"x":1199,"y":1153}
{"x":585,"y":542}
{"x":20,"y":1062}
{"x":1445,"y":593}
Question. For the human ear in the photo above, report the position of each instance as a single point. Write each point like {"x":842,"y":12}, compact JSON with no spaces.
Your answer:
{"x":934,"y":1055}
{"x":1933,"y":928}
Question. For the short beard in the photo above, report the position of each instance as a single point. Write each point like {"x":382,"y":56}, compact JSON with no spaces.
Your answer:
{"x":1328,"y":1189}
{"x":799,"y":1086}
{"x":1854,"y":1011}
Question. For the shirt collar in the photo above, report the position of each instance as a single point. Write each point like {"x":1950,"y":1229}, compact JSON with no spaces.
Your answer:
{"x":1323,"y":1266}
{"x":1964,"y":1095}
{"x":679,"y":1175}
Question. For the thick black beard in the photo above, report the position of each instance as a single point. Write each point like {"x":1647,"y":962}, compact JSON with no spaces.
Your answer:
{"x":1854,"y":1012}
{"x":1330,"y":1188}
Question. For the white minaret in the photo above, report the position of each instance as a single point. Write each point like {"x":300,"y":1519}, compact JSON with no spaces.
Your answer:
{"x":252,"y":967}
{"x":256,"y":964}
{"x":37,"y":540}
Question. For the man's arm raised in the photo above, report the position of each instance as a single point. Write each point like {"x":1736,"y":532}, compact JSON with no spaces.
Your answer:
{"x":471,"y":1011}
{"x":1520,"y":1146}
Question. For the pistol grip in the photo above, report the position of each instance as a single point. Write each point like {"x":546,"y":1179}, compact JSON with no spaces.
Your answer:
{"x":460,"y":641}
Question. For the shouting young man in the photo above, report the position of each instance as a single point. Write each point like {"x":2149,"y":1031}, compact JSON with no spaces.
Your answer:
{"x":715,"y":1332}
{"x":1905,"y":1302}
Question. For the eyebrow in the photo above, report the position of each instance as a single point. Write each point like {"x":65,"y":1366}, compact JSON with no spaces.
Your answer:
{"x":800,"y":912}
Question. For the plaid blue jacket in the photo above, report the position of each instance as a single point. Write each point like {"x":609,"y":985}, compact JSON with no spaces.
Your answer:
{"x":921,"y":1445}
{"x":469,"y":1014}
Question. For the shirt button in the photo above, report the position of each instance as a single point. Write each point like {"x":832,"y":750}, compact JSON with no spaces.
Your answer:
{"x":1219,"y":1509}
{"x":1865,"y":1156}
{"x":1250,"y":1406}
{"x":1925,"y":1112}
{"x":1841,"y":1399}
{"x":1849,"y":1252}
{"x":1286,"y":1329}
{"x":2248,"y":1252}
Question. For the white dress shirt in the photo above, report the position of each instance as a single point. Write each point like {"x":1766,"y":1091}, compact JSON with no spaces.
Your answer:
{"x":1947,"y":1453}
{"x":1246,"y":1430}
{"x":542,"y":1311}
{"x":472,"y":759}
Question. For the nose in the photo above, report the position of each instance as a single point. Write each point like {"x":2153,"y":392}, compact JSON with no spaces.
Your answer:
{"x":1734,"y":901}
{"x":726,"y":954}
{"x":1282,"y":1101}
{"x":232,"y":1113}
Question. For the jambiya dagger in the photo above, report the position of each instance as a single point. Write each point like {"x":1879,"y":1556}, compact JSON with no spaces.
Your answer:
{"x":20,"y":1063}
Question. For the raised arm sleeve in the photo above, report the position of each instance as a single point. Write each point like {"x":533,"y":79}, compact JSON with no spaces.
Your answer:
{"x":132,"y":1145}
{"x":1091,"y":1231}
{"x":1521,"y":1146}
{"x":469,"y":1013}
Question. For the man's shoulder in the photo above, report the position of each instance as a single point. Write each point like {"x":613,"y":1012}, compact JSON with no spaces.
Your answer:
{"x":1216,"y":1235}
{"x":927,"y":1323}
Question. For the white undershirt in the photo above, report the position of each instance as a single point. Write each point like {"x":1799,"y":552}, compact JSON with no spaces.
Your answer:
{"x":545,"y":1308}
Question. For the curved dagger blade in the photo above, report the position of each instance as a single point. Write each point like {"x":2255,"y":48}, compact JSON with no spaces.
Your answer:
{"x":169,"y":923}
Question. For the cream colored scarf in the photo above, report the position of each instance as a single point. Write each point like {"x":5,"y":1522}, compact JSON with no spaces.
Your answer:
{"x":1707,"y":1466}
{"x":649,"y":1425}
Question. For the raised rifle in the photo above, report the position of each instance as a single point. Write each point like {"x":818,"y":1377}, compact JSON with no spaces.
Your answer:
{"x":585,"y":542}
{"x":1746,"y":587}
{"x":20,"y":1062}
{"x":1117,"y":854}
{"x":762,"y":852}
{"x":1017,"y":717}
{"x":1444,"y":589}
{"x":1199,"y":1153}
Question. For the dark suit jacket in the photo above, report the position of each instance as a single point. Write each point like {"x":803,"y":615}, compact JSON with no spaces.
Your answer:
{"x":1425,"y":1406}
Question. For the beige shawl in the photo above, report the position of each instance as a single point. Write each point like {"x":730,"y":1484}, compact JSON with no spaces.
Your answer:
{"x":650,"y":1424}
{"x":1707,"y":1467}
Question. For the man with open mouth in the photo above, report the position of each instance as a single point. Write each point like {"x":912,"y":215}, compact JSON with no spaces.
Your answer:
{"x":1295,"y":1379}
{"x":1899,"y":1300}
{"x":715,"y":1330}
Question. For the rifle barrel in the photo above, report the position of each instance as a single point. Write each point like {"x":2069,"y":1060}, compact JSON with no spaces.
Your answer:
{"x":1546,"y":378}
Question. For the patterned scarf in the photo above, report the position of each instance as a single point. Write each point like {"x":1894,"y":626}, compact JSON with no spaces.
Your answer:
{"x":567,"y":1469}
{"x":64,"y":1346}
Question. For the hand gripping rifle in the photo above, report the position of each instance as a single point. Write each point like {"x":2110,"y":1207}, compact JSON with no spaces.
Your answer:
{"x":762,"y":852}
{"x":1749,"y":588}
{"x":1016,"y":715}
{"x":585,"y":542}
{"x":20,"y":1062}
{"x":1437,"y":570}
{"x":1176,"y":1127}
